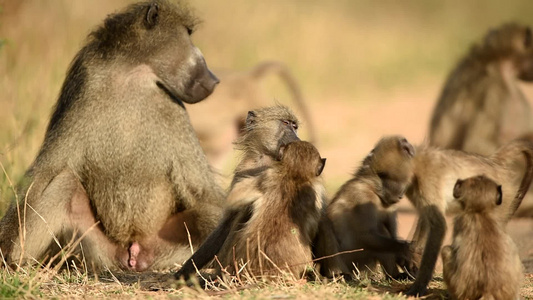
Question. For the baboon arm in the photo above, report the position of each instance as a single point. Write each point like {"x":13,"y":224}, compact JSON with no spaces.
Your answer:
{"x":370,"y":236}
{"x":434,"y":217}
{"x":209,"y":248}
{"x":392,"y":225}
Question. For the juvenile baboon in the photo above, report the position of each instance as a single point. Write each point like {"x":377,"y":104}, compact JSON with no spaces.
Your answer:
{"x":120,"y":150}
{"x":482,"y":262}
{"x":362,"y":212}
{"x":435,"y":174}
{"x":272,"y":217}
{"x":219,"y":120}
{"x":481,"y":106}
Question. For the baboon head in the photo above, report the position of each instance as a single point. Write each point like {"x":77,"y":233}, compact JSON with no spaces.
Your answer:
{"x":301,"y":159}
{"x":391,"y":162}
{"x":267,"y":129}
{"x":512,"y":42}
{"x":158,"y":34}
{"x":477,"y":194}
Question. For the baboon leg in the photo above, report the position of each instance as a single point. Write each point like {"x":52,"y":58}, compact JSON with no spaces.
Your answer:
{"x":62,"y":208}
{"x":437,"y":229}
{"x":326,"y":245}
{"x":446,"y":255}
{"x":41,"y":221}
{"x":209,"y":248}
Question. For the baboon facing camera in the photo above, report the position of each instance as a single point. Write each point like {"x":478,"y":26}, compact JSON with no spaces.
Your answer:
{"x":482,"y":262}
{"x":120,"y":151}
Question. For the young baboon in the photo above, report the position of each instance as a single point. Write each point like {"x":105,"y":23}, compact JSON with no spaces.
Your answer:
{"x":362,"y":212}
{"x":120,"y":150}
{"x":482,"y":262}
{"x":481,"y":106}
{"x":435,"y":173}
{"x":219,"y":120}
{"x":272,"y":216}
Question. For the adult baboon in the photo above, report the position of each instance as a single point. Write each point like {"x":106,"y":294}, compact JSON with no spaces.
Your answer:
{"x":482,"y":262}
{"x":362,"y":212}
{"x":120,"y":150}
{"x":272,"y":216}
{"x":435,"y":174}
{"x":219,"y":120}
{"x":481,"y":106}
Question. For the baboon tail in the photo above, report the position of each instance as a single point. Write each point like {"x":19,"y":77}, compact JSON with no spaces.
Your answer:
{"x":524,"y":146}
{"x":289,"y":80}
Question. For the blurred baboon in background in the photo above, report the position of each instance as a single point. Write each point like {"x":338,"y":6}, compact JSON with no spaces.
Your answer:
{"x":482,"y":262}
{"x":481,"y":106}
{"x":120,"y":152}
{"x":221,"y":117}
{"x":362,"y":211}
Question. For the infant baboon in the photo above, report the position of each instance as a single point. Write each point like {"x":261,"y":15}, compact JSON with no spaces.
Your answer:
{"x":219,"y":119}
{"x":481,"y":106}
{"x":272,"y":216}
{"x":482,"y":262}
{"x":361,"y":210}
{"x":120,"y":151}
{"x":435,"y":173}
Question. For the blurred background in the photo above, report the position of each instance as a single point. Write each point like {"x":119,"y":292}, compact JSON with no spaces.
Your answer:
{"x":365,"y":68}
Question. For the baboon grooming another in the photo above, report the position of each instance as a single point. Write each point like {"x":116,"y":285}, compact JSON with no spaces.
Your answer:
{"x":482,"y":262}
{"x":272,"y":217}
{"x":219,"y":120}
{"x":481,"y":106}
{"x":120,"y":150}
{"x":361,"y":210}
{"x":435,"y":174}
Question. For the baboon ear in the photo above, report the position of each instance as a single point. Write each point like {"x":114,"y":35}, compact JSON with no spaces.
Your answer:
{"x":407,"y":147}
{"x":528,"y":38}
{"x":281,"y":151}
{"x":250,"y":119}
{"x":499,"y":197}
{"x":321,"y":166}
{"x":457,"y":189}
{"x":152,"y":16}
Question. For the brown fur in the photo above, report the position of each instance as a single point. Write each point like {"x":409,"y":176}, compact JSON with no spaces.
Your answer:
{"x":482,"y":107}
{"x":265,"y":131}
{"x":482,"y":261}
{"x":119,"y":149}
{"x":435,"y":173}
{"x":272,"y":217}
{"x":219,"y":119}
{"x":362,"y":212}
{"x":284,"y":219}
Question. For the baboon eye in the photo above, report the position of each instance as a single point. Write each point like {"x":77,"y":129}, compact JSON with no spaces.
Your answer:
{"x":285,"y":122}
{"x":295,"y":126}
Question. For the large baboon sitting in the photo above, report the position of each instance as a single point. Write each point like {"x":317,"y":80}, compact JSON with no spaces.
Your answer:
{"x":120,"y":151}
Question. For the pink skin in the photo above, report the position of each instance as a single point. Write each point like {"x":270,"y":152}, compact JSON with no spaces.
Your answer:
{"x":134,"y":250}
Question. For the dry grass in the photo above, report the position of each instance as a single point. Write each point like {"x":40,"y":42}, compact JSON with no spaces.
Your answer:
{"x":367,"y":69}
